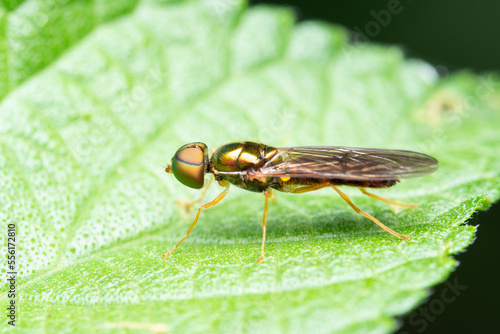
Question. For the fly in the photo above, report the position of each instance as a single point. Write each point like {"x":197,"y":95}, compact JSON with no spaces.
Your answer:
{"x":261,"y":168}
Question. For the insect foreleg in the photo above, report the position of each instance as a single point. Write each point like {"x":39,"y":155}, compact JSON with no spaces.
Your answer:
{"x":188,"y":205}
{"x":203,"y":207}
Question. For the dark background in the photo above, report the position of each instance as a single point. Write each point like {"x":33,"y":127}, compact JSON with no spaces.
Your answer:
{"x":451,"y":35}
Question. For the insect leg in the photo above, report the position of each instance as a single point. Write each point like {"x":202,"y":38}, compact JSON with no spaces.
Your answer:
{"x":188,"y":205}
{"x":311,"y":188}
{"x":203,"y":207}
{"x":364,"y":214}
{"x":267,"y":195}
{"x":386,"y":200}
{"x":272,"y":197}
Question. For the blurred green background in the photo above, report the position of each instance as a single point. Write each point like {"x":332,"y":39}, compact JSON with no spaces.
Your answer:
{"x":451,"y":35}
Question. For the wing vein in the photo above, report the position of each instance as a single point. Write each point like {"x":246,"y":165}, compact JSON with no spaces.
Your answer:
{"x":347,"y":163}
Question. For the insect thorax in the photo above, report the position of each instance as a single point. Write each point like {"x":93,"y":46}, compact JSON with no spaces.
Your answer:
{"x":235,"y":161}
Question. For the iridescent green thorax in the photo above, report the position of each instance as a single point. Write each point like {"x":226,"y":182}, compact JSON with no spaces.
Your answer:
{"x":232,"y":162}
{"x":237,"y":157}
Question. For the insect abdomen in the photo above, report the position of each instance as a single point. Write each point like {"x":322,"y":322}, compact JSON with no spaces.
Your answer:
{"x":366,"y":183}
{"x":298,"y":185}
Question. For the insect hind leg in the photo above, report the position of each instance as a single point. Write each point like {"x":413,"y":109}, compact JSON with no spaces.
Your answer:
{"x":366,"y":215}
{"x":386,"y":200}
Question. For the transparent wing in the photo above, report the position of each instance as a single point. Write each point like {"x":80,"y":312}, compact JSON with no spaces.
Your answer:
{"x":348,"y":163}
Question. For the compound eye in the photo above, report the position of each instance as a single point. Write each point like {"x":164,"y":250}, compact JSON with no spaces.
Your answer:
{"x":188,"y":165}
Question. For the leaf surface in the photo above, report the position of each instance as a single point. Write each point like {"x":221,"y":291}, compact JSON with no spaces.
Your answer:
{"x":89,"y":121}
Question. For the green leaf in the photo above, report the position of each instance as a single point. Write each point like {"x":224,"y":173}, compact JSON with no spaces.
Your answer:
{"x":101,"y":95}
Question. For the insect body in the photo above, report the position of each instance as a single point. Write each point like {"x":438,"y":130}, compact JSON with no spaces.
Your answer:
{"x":261,"y":168}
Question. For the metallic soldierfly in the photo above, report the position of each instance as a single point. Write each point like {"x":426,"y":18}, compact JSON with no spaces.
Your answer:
{"x":260,"y":168}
